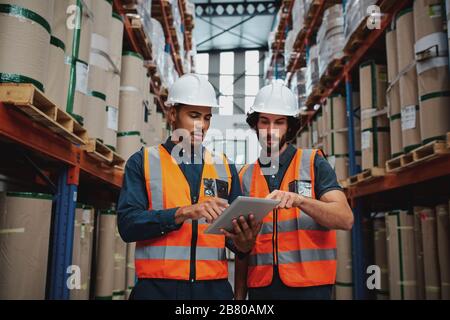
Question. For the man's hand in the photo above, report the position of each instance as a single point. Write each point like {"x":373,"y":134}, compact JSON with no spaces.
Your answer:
{"x":288,"y":200}
{"x":244,"y":235}
{"x":210,"y":210}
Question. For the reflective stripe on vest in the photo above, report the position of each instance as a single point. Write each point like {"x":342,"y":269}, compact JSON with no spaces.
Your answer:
{"x":306,"y":251}
{"x":168,"y":256}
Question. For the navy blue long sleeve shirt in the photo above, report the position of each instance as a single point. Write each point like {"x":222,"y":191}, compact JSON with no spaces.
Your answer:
{"x":135,"y":221}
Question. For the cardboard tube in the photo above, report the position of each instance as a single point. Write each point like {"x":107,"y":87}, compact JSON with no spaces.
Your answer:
{"x":420,"y":272}
{"x":380,"y":250}
{"x":24,"y":266}
{"x":94,"y":121}
{"x":434,"y":116}
{"x":428,"y":17}
{"x":25,"y":50}
{"x":131,"y":74}
{"x":105,"y":264}
{"x":127,"y":145}
{"x":116,"y":40}
{"x":443,"y":236}
{"x":55,"y":87}
{"x":130,"y":109}
{"x":430,"y":254}
{"x":120,"y":261}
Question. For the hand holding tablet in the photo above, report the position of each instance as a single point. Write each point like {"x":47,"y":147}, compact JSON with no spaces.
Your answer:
{"x":242,"y":206}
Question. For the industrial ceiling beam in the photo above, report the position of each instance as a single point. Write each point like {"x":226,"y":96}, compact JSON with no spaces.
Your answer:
{"x":236,"y":9}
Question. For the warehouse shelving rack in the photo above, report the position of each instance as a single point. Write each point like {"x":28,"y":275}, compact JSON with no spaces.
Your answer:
{"x":389,"y":184}
{"x":35,"y":157}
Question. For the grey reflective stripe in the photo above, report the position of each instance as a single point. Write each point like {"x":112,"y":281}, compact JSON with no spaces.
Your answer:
{"x":247,"y":180}
{"x":200,"y":221}
{"x":305,"y":222}
{"x":306,"y":255}
{"x":295,"y":256}
{"x":262,"y":259}
{"x":155,"y":178}
{"x":305,"y":166}
{"x":179,"y":253}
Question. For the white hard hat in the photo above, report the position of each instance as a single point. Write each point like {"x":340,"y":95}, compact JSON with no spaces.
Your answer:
{"x":194,"y":90}
{"x":276,"y":98}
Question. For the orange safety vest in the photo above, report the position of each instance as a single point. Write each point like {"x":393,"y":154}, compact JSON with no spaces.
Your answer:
{"x":304,"y":251}
{"x":169,"y":256}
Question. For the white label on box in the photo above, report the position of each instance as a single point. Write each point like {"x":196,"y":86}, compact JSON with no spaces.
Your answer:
{"x":365,"y":140}
{"x":332,"y":161}
{"x":86,"y":216}
{"x":408,"y":118}
{"x":113,"y":118}
{"x":82,"y":77}
{"x":82,"y":231}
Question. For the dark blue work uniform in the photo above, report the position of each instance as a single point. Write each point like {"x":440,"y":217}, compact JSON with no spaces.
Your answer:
{"x":137,"y":223}
{"x":325,"y":181}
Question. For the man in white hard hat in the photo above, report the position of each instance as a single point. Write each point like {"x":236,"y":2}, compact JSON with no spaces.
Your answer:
{"x":295,"y":252}
{"x":170,"y":193}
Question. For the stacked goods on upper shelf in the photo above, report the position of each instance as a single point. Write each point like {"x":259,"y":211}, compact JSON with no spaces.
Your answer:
{"x":380,"y":254}
{"x":25,"y":38}
{"x":409,"y":97}
{"x":288,"y":47}
{"x":431,"y":49}
{"x":25,"y":232}
{"x":106,"y":241}
{"x":99,"y":64}
{"x":393,"y":93}
{"x":312,"y":70}
{"x":178,"y":25}
{"x":191,"y":50}
{"x":375,"y":140}
{"x":83,"y":236}
{"x":336,"y":133}
{"x":113,"y":83}
{"x":73,"y":25}
{"x":130,"y":104}
{"x":330,"y":37}
{"x":356,"y":11}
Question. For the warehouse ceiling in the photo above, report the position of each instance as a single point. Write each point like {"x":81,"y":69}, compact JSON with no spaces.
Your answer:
{"x":233,"y":24}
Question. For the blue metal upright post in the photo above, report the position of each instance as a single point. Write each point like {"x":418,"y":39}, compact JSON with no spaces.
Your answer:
{"x":358,"y":259}
{"x":62,"y":241}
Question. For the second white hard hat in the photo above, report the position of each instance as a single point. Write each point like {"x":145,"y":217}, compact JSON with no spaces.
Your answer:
{"x":276,"y":98}
{"x":192,"y":89}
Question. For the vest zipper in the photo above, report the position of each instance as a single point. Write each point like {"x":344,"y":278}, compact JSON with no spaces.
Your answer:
{"x":192,"y":270}
{"x":275,"y":238}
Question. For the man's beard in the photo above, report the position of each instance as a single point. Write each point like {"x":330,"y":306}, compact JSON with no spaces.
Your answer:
{"x":276,"y":148}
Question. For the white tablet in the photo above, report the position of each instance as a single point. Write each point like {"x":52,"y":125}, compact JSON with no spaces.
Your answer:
{"x":242,"y":206}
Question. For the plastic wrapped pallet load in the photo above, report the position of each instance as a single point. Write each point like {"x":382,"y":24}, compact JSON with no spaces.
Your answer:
{"x":355,"y":13}
{"x":25,"y":37}
{"x":344,"y":281}
{"x":375,"y":140}
{"x":393,"y":94}
{"x":380,"y":250}
{"x":131,"y":274}
{"x":104,"y":283}
{"x":82,"y":249}
{"x":401,"y":255}
{"x":430,"y":254}
{"x":431,"y":50}
{"x":24,"y":219}
{"x":409,"y":95}
{"x":443,"y":236}
{"x":120,"y":256}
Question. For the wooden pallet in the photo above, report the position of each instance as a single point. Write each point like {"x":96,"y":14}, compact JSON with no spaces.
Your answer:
{"x":399,"y":163}
{"x":99,"y":151}
{"x":315,"y":96}
{"x":30,"y":100}
{"x":430,"y":151}
{"x":344,"y":183}
{"x":352,"y":180}
{"x":143,"y":41}
{"x":371,"y":174}
{"x":118,"y":161}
